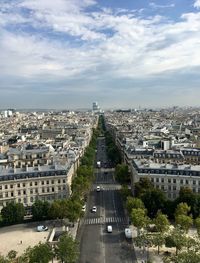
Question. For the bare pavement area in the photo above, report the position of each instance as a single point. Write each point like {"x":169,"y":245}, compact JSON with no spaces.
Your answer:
{"x":19,"y":237}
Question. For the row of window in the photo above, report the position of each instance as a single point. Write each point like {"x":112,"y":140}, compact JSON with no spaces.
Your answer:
{"x":32,"y":175}
{"x":172,"y":172}
{"x":33,"y":191}
{"x":174,"y":181}
{"x":5,"y":187}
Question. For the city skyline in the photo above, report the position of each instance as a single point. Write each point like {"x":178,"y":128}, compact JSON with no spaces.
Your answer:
{"x":67,"y":54}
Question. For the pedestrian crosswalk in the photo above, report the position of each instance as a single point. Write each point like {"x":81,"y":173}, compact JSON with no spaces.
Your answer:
{"x":101,"y":220}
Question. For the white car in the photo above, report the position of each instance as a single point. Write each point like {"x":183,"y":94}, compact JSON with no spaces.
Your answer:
{"x":84,"y":208}
{"x":94,"y":209}
{"x":42,"y":228}
{"x":98,"y":188}
{"x":109,"y":229}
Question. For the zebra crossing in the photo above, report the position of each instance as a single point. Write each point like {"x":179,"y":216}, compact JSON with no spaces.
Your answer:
{"x":101,"y":220}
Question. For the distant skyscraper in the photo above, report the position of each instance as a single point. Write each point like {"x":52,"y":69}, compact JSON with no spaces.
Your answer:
{"x":95,"y":107}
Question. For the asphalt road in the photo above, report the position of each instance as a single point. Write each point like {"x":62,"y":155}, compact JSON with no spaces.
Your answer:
{"x":96,"y":244}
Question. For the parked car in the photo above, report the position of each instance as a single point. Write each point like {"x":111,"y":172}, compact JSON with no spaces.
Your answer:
{"x":84,"y":208}
{"x":42,"y":228}
{"x":128,"y":233}
{"x":109,"y":229}
{"x":98,"y":188}
{"x":94,"y":209}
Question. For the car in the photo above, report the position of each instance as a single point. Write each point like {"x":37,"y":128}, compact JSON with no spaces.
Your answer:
{"x":84,"y":208}
{"x":94,"y":209}
{"x":98,"y":188}
{"x":109,"y":229}
{"x":128,"y":233}
{"x":42,"y":228}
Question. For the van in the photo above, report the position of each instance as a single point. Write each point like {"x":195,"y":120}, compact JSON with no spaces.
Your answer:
{"x":128,"y":233}
{"x":109,"y":229}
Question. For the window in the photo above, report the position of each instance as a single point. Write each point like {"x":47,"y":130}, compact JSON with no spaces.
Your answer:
{"x":25,"y":200}
{"x":19,"y":200}
{"x":52,"y":189}
{"x":186,"y":181}
{"x":169,"y":180}
{"x":31,"y":184}
{"x":47,"y":181}
{"x":59,"y":188}
{"x":24,"y":184}
{"x":31,"y":199}
{"x":43,"y":190}
{"x":52,"y":181}
{"x":64,"y":187}
{"x":157,"y":180}
{"x":174,"y":181}
{"x":11,"y":186}
{"x":12,"y":194}
{"x":24,"y":192}
{"x":42,"y":182}
{"x":59,"y":181}
{"x":35,"y":183}
{"x":181,"y":181}
{"x":19,"y":192}
{"x":6,"y":187}
{"x":162,"y":180}
{"x":47,"y":189}
{"x":194,"y":182}
{"x":63,"y":181}
{"x":174,"y":188}
{"x":1,"y":186}
{"x":36,"y":190}
{"x":31,"y":191}
{"x":6,"y":194}
{"x":18,"y":185}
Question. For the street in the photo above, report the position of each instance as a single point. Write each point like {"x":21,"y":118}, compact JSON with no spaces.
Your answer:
{"x":96,"y":244}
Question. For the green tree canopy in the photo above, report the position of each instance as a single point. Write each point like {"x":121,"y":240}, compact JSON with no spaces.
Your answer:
{"x":67,"y":249}
{"x":40,"y":253}
{"x":133,"y":202}
{"x":13,"y":213}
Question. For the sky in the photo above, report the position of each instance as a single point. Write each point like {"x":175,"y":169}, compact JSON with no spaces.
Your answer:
{"x":65,"y":54}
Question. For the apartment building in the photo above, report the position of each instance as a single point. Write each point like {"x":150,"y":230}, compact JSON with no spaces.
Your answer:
{"x":26,"y":185}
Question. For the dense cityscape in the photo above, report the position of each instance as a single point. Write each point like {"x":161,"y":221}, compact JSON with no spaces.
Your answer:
{"x":114,"y":185}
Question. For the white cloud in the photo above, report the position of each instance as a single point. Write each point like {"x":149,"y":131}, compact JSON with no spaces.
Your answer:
{"x":154,"y":5}
{"x":112,"y":44}
{"x":197,"y":4}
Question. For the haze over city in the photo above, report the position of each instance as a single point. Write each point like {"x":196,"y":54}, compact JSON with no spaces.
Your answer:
{"x":64,"y":53}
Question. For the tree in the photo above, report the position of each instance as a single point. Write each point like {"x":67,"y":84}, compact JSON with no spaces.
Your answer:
{"x":176,"y":239}
{"x":139,"y":218}
{"x":142,"y":186}
{"x":40,"y":253}
{"x":132,"y":202}
{"x":154,"y":200}
{"x":184,"y":221}
{"x":12,"y":254}
{"x":122,"y":174}
{"x":13,"y":213}
{"x":182,"y":209}
{"x":58,"y":209}
{"x":197,"y":224}
{"x":162,"y":225}
{"x":74,"y":209}
{"x":67,"y":249}
{"x":182,"y":218}
{"x":125,"y":192}
{"x":184,"y":257}
{"x":40,"y":210}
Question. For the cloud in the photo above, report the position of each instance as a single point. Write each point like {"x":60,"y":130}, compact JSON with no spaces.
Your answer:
{"x":60,"y":45}
{"x":197,"y":4}
{"x":156,"y":6}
